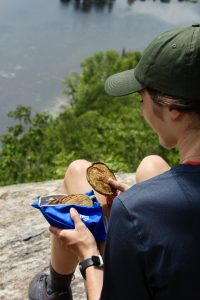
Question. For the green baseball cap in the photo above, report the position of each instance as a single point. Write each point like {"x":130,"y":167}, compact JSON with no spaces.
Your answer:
{"x":170,"y":64}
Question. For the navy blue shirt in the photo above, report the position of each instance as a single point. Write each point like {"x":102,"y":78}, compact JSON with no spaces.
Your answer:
{"x":153,"y":241}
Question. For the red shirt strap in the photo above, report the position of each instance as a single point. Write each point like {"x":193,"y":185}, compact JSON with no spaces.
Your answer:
{"x":190,"y":162}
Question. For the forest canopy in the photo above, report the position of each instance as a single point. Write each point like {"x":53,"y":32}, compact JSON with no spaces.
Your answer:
{"x":96,"y":127}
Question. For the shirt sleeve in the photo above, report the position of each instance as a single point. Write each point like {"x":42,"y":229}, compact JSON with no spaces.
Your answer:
{"x":125,"y":263}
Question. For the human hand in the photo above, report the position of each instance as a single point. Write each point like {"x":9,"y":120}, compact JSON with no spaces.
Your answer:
{"x":119,"y":186}
{"x":79,"y":240}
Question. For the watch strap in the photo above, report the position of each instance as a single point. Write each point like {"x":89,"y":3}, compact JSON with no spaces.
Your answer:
{"x":96,"y":261}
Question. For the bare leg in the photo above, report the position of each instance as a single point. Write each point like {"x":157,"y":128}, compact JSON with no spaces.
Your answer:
{"x":74,"y":182}
{"x":151,"y":166}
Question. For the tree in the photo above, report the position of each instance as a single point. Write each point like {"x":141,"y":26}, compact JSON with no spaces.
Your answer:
{"x":96,"y":127}
{"x":22,"y":153}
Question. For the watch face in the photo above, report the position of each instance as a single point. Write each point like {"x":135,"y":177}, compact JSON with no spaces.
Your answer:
{"x":92,"y":261}
{"x":98,"y":261}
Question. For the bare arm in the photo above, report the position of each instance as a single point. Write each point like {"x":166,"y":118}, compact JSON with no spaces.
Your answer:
{"x":93,"y":283}
{"x":81,"y":241}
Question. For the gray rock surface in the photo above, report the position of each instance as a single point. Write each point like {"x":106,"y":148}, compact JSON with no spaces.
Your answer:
{"x":24,"y":238}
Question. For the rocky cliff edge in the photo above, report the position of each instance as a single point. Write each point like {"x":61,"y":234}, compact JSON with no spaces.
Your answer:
{"x":24,"y":238}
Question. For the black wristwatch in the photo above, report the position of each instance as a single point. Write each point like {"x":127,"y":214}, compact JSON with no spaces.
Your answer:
{"x":96,"y":261}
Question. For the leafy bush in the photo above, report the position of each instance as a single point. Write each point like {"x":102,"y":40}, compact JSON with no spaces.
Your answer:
{"x":96,"y":127}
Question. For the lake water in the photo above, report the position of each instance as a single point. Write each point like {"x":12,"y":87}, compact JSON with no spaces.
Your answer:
{"x":42,"y":41}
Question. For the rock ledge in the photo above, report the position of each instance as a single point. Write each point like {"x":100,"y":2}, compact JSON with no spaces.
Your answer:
{"x":24,"y":238}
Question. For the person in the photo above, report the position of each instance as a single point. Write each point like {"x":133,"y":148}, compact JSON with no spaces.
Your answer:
{"x":152,"y":245}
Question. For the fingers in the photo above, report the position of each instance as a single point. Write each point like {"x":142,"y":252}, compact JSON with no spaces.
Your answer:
{"x":79,"y":240}
{"x":75,"y":217}
{"x":60,"y":233}
{"x":118,"y":185}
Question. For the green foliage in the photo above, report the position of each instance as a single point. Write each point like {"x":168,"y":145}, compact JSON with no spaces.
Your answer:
{"x":96,"y":127}
{"x":87,"y":89}
{"x":23,"y":153}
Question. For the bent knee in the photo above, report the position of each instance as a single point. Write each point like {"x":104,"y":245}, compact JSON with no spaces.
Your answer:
{"x":154,"y":161}
{"x":78,"y":166}
{"x":151,"y":166}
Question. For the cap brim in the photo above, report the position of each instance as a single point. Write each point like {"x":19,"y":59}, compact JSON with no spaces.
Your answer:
{"x":122,"y":84}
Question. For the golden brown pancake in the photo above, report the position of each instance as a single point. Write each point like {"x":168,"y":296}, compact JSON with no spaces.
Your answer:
{"x":78,"y":199}
{"x":97,"y":175}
